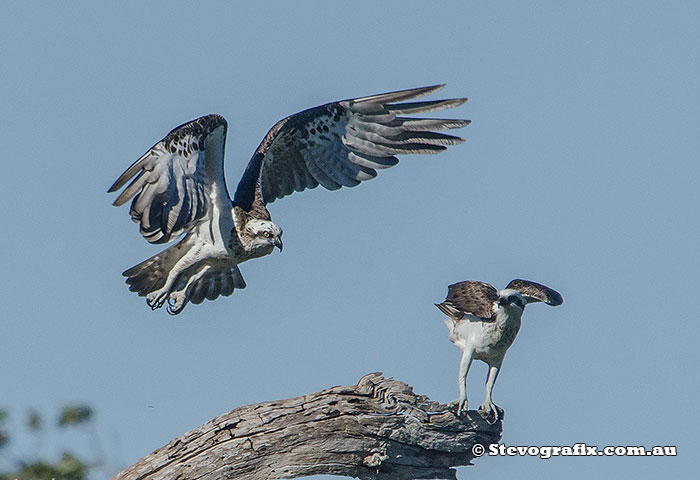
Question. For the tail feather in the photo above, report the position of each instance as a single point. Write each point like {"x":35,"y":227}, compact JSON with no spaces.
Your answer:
{"x":214,"y":283}
{"x":147,"y":276}
{"x":151,"y":275}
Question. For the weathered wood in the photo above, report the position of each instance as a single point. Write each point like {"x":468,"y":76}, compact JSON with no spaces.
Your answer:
{"x":378,"y":429}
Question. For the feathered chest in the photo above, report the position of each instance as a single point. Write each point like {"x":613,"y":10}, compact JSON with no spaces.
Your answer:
{"x":500,"y":334}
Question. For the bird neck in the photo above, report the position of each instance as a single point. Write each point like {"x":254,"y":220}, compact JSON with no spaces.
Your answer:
{"x":509,"y":317}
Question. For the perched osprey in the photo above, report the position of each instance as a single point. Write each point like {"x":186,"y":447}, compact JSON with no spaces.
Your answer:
{"x":178,"y":186}
{"x":483,"y":323}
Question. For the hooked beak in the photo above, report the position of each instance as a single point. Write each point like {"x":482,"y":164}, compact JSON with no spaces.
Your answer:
{"x":502,"y":302}
{"x":278,"y":243}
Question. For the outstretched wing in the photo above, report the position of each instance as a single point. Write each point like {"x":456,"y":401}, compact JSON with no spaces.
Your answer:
{"x":177,"y":179}
{"x":476,"y":298}
{"x":343,"y":143}
{"x":536,"y":292}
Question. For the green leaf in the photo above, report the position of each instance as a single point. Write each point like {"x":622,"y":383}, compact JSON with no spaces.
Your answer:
{"x":67,"y":468}
{"x":34,"y":421}
{"x":74,"y":415}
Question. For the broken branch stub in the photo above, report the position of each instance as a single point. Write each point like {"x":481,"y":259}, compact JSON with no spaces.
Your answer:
{"x":377,"y":429}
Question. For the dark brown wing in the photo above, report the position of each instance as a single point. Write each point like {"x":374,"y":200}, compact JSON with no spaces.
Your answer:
{"x":536,"y":292}
{"x":343,"y":143}
{"x":476,"y":298}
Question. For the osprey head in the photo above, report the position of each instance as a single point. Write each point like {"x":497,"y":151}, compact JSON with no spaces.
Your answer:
{"x":260,"y":237}
{"x":511,"y":299}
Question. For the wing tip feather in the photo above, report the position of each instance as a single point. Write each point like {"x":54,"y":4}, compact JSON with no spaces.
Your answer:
{"x":398,"y":95}
{"x":448,"y":309}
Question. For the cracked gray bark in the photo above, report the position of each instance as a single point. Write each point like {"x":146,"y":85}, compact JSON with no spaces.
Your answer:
{"x":377,"y":429}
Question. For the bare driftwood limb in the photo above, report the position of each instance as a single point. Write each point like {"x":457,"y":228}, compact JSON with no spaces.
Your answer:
{"x":377,"y":429}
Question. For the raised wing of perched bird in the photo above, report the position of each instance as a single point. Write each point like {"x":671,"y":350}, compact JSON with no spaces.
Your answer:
{"x":178,"y":187}
{"x":483,"y":323}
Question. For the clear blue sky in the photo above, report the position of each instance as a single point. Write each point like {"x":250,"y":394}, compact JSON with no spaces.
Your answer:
{"x":580,"y":171}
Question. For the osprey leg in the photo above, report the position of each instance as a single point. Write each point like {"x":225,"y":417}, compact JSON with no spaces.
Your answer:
{"x":156,"y":298}
{"x":488,"y":406}
{"x":464,"y":365}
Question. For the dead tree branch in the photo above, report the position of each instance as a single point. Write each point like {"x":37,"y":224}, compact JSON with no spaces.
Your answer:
{"x":377,"y":429}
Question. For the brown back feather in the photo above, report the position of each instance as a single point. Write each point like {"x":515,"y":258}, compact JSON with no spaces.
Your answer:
{"x":476,"y":298}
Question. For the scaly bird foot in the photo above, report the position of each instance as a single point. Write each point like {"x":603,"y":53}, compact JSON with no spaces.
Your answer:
{"x":461,"y":405}
{"x":176,"y":302}
{"x":156,"y":299}
{"x":490,"y":409}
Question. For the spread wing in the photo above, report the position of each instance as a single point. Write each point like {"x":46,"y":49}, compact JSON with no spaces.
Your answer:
{"x":476,"y":298}
{"x":536,"y":292}
{"x":176,"y":180}
{"x":343,"y":143}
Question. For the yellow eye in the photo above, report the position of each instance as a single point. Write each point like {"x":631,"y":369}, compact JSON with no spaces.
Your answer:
{"x":267,"y":234}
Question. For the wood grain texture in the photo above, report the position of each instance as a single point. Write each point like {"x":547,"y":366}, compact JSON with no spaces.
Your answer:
{"x":377,"y":429}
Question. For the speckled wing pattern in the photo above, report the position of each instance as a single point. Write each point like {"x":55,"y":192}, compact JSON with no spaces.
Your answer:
{"x":536,"y":292}
{"x":342,"y":144}
{"x":172,"y":181}
{"x":469,"y":297}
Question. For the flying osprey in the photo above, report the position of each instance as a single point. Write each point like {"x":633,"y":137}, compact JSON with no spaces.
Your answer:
{"x":178,"y":186}
{"x":483,"y":323}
